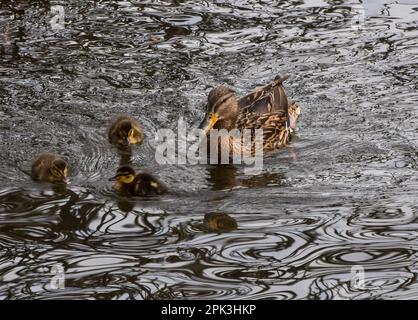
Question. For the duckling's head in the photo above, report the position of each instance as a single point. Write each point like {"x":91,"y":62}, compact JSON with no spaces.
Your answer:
{"x":222,"y":109}
{"x":59,"y":171}
{"x":126,"y":133}
{"x":294,"y":112}
{"x":124,"y":175}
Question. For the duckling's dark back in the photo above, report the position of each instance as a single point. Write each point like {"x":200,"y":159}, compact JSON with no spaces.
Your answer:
{"x":146,"y":184}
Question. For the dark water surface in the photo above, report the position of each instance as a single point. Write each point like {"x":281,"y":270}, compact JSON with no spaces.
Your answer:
{"x":342,"y":198}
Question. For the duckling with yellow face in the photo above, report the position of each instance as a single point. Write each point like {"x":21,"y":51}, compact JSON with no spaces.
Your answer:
{"x":137,"y":184}
{"x":125,"y":131}
{"x":49,"y":167}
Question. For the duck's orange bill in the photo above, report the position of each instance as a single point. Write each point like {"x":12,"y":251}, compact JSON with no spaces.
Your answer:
{"x":213,"y":119}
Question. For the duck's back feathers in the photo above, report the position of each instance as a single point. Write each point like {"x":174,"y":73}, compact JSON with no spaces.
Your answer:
{"x":267,"y":108}
{"x":267,"y":99}
{"x":275,"y":133}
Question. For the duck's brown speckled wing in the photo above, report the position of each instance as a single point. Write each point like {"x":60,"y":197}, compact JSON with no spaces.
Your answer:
{"x":267,"y":99}
{"x":266,"y":108}
{"x":275,"y":132}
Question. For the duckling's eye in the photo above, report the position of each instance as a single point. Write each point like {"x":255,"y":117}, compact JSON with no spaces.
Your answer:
{"x":125,"y":178}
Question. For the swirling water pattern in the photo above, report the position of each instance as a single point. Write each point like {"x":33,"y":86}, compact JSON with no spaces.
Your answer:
{"x":342,"y":198}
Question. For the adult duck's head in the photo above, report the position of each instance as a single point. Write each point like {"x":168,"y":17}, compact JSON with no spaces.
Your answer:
{"x":221,"y":110}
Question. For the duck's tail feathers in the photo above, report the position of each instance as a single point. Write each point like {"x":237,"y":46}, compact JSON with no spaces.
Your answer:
{"x":280,"y":98}
{"x":281,"y":78}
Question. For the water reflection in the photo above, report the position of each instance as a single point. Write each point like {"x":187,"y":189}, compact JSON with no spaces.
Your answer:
{"x":292,"y":232}
{"x":221,"y":177}
{"x":219,"y":222}
{"x":226,"y":177}
{"x":125,"y":205}
{"x":125,"y":155}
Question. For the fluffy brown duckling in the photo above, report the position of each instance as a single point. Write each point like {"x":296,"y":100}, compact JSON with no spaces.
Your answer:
{"x":125,"y":131}
{"x":49,"y":167}
{"x":137,"y":184}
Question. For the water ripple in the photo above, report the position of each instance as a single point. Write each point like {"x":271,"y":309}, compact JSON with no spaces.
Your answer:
{"x":341,"y":199}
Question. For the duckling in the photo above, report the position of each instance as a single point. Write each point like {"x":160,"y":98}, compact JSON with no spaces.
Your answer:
{"x":124,"y":131}
{"x":49,"y":167}
{"x":265,"y":108}
{"x":137,"y":184}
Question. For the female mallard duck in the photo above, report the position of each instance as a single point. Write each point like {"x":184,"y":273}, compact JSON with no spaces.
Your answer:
{"x":124,"y":131}
{"x":265,"y":108}
{"x":140,"y":184}
{"x":49,"y":167}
